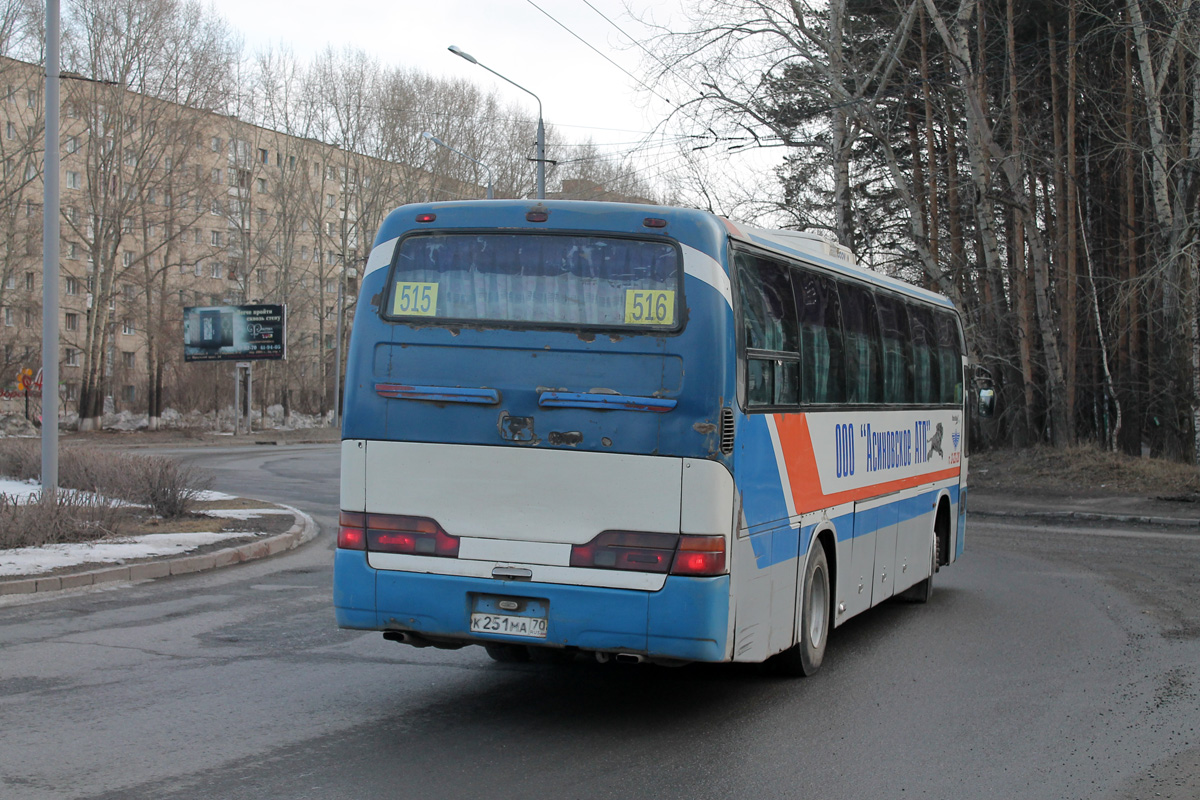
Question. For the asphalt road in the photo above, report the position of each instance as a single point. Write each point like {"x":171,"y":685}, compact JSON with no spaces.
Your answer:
{"x":1052,"y":662}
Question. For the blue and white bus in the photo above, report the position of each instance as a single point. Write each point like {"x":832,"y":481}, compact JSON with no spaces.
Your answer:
{"x":639,"y":432}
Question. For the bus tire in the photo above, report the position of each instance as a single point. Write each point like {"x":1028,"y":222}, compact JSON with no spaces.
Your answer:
{"x":507,"y":653}
{"x":805,"y":657}
{"x":921,"y":592}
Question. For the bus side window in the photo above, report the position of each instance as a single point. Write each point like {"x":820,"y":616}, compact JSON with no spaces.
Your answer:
{"x":897,"y":361}
{"x":769,"y":338}
{"x":926,"y":372}
{"x":821,"y":357}
{"x":860,"y":330}
{"x":949,"y":356}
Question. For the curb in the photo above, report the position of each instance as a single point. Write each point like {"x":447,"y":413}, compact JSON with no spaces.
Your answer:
{"x":303,"y":529}
{"x":1087,"y":516}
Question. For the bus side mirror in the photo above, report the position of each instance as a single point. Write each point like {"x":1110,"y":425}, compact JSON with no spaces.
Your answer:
{"x":987,"y":402}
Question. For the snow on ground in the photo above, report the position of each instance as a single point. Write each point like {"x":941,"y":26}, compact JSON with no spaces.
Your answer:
{"x":37,"y":560}
{"x":207,"y":495}
{"x":242,"y":513}
{"x":20,"y":490}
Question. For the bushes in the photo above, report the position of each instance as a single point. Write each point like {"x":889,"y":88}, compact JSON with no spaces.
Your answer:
{"x":164,"y":486}
{"x":73,"y":517}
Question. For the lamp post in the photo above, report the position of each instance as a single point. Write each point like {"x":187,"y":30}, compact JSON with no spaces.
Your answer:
{"x":350,"y":273}
{"x":440,"y":143}
{"x":541,"y":129}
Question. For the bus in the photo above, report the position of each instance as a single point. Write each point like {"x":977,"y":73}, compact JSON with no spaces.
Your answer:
{"x":643,"y":433}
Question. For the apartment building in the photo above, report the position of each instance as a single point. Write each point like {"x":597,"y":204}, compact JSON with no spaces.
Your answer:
{"x":166,"y":206}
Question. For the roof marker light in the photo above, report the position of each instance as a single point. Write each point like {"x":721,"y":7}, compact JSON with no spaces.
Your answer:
{"x":654,"y":222}
{"x":537,"y":214}
{"x":426,"y":217}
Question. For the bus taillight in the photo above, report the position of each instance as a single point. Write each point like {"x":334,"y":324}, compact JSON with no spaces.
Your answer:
{"x":352,"y":531}
{"x":630,"y":550}
{"x":420,"y":536}
{"x":700,"y":556}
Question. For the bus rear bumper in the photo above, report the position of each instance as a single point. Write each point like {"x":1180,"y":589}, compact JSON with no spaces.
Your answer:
{"x":687,"y":619}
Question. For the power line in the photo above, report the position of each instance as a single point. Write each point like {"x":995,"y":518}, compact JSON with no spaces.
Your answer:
{"x":643,"y":48}
{"x":591,"y":47}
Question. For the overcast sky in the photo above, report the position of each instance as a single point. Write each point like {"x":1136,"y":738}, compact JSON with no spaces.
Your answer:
{"x":582,"y":93}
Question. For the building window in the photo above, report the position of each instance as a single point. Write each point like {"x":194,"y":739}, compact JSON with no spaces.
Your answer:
{"x":215,"y":269}
{"x":72,"y":286}
{"x":72,"y":391}
{"x":216,"y":144}
{"x":127,"y":326}
{"x":330,"y":200}
{"x":127,"y":259}
{"x":8,"y":317}
{"x":70,"y":357}
{"x":128,"y":358}
{"x":262,"y":185}
{"x":264,"y":156}
{"x":29,"y":281}
{"x":28,"y":318}
{"x":72,"y":180}
{"x":72,"y":322}
{"x":216,"y":239}
{"x":216,"y":175}
{"x":129,"y":393}
{"x":72,"y":145}
{"x":260,"y":276}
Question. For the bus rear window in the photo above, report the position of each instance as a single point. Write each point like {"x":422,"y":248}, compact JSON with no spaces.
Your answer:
{"x":507,"y":278}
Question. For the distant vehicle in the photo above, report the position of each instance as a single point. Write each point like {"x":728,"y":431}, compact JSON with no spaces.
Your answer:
{"x":641,"y":432}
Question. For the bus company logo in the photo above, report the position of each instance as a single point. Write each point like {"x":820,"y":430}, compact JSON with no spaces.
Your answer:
{"x":955,"y":438}
{"x":935,"y":442}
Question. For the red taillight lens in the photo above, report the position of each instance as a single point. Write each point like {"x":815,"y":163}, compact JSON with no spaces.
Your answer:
{"x":700,"y":556}
{"x":426,"y":217}
{"x":421,"y":536}
{"x":630,"y":550}
{"x":537,"y":216}
{"x":352,"y":533}
{"x":654,"y":222}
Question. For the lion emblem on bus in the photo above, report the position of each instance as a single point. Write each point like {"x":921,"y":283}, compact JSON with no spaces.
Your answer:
{"x":935,"y":443}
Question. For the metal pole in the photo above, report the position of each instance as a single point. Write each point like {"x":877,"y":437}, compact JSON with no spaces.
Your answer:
{"x":250,"y":398}
{"x":541,"y":156}
{"x":337,"y":365}
{"x":237,"y":399}
{"x":50,"y":246}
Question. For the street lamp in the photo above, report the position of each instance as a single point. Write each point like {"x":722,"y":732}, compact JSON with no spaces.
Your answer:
{"x":345,"y":273}
{"x":440,"y":143}
{"x":541,"y":130}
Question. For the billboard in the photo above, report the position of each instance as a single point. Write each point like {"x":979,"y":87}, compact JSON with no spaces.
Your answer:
{"x":234,"y":333}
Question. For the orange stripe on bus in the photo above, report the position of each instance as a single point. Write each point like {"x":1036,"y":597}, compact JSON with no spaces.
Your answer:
{"x":805,"y":480}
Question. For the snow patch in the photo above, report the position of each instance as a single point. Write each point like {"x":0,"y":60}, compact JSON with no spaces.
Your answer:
{"x":37,"y":560}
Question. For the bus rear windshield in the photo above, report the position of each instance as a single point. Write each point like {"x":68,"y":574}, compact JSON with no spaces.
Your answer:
{"x":507,"y":278}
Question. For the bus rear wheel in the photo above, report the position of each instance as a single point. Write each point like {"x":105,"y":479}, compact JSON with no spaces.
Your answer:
{"x":805,"y":657}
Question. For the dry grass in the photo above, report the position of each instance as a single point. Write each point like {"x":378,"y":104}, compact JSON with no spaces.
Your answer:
{"x":72,"y":517}
{"x":1082,"y":470}
{"x":164,"y":486}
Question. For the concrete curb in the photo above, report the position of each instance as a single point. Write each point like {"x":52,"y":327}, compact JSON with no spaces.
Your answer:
{"x":1086,"y":516}
{"x":303,"y":529}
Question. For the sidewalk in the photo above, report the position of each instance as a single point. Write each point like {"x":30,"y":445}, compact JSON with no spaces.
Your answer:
{"x":59,"y":567}
{"x":1048,"y":506}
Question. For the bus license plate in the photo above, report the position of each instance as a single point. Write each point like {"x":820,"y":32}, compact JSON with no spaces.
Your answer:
{"x":531,"y":627}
